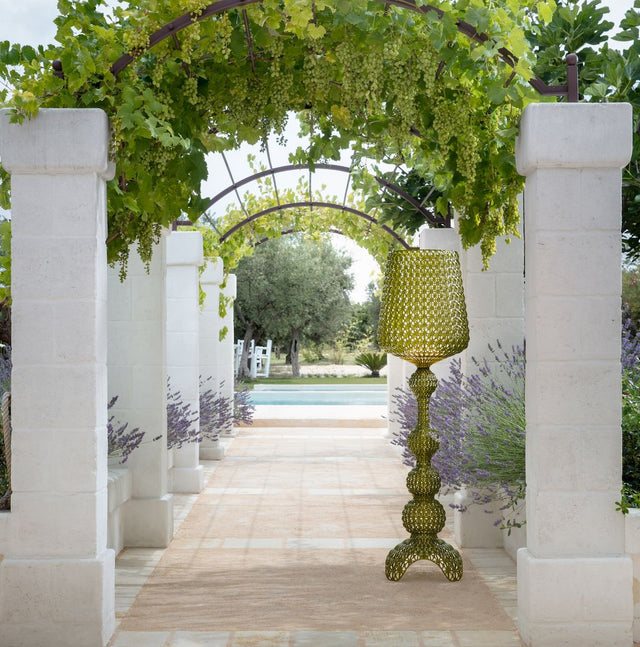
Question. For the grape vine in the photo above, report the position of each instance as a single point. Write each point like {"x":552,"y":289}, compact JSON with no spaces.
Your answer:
{"x":394,"y":85}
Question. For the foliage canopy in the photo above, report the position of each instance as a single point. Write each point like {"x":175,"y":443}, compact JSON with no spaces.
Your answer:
{"x":397,"y":85}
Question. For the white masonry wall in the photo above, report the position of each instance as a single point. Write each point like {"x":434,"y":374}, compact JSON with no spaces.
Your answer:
{"x":495,"y":308}
{"x":210,"y":345}
{"x":183,"y":258}
{"x":225,"y":363}
{"x":574,"y":580}
{"x":138,"y":376}
{"x":56,"y":574}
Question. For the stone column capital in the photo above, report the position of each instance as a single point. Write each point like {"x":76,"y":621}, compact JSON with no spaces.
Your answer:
{"x":57,"y":141}
{"x":213,"y":273}
{"x":185,"y":248}
{"x":574,"y":135}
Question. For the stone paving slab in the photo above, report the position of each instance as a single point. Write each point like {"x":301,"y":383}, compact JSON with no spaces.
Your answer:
{"x":286,"y":547}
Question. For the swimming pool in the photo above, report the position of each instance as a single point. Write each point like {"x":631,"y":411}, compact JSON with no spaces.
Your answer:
{"x":319,"y":394}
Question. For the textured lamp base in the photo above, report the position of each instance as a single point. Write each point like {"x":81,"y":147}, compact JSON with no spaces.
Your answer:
{"x":423,"y":517}
{"x":419,"y":547}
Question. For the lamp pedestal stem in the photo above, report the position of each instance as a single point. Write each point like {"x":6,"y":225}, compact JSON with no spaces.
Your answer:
{"x":424,"y":516}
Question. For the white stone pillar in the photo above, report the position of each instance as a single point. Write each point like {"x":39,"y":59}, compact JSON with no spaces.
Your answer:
{"x":495,"y":298}
{"x":211,"y":346}
{"x":57,"y":578}
{"x":574,"y":581}
{"x":495,"y":308}
{"x":184,"y":257}
{"x":447,"y":239}
{"x":398,"y":372}
{"x":225,"y":363}
{"x":138,"y":376}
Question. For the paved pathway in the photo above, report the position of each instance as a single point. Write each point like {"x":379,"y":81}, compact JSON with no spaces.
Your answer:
{"x":285,"y":548}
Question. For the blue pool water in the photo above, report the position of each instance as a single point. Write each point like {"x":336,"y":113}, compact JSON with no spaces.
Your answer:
{"x":315,"y":394}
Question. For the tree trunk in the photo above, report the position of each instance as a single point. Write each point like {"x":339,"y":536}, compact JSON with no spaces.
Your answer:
{"x":245,"y":370}
{"x":295,"y":345}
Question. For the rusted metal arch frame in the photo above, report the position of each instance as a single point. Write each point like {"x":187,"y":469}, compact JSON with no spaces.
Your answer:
{"x":569,"y":90}
{"x":288,"y":232}
{"x":429,"y":215}
{"x":311,"y":204}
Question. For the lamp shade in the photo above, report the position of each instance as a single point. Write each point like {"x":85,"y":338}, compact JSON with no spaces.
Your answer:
{"x":423,"y":317}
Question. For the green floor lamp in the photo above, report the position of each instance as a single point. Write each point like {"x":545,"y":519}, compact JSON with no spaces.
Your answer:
{"x":423,"y":319}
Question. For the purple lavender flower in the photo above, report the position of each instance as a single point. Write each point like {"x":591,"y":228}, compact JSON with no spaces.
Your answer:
{"x":630,"y":350}
{"x":182,"y":420}
{"x":243,"y":409}
{"x":216,"y":411}
{"x":122,"y":440}
{"x":480,"y":423}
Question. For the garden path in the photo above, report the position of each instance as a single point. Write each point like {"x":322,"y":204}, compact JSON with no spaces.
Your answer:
{"x":285,"y":547}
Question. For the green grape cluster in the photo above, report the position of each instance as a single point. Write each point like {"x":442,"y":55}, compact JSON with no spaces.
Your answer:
{"x":371,"y":76}
{"x":194,"y":7}
{"x":280,"y":82}
{"x":136,"y":40}
{"x":223,"y":31}
{"x":190,"y":90}
{"x":317,"y":77}
{"x":427,"y":61}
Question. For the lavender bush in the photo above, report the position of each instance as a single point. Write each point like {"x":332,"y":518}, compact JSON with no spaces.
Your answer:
{"x":182,"y":427}
{"x":122,"y":440}
{"x":480,"y":424}
{"x":630,"y":359}
{"x":216,"y":414}
{"x":243,"y":409}
{"x":216,"y":411}
{"x":5,"y":385}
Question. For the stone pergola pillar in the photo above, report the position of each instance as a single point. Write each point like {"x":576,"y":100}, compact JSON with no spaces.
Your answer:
{"x":138,"y":376}
{"x":56,"y":574}
{"x":184,"y":257}
{"x":574,"y":581}
{"x":398,"y":372}
{"x":495,"y":308}
{"x":211,"y":346}
{"x":225,"y":365}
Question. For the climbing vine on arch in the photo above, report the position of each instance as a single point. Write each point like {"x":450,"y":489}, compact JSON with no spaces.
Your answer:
{"x":395,"y":85}
{"x":235,"y":233}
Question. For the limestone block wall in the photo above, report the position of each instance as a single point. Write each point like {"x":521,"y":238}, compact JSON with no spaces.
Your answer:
{"x":118,"y":495}
{"x":632,"y":548}
{"x":225,"y":358}
{"x":57,"y":574}
{"x":211,"y":348}
{"x":574,"y":579}
{"x":138,"y":376}
{"x":495,"y":308}
{"x":183,"y":258}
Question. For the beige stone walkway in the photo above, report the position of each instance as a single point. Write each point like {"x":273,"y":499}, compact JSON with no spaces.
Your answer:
{"x":285,"y":548}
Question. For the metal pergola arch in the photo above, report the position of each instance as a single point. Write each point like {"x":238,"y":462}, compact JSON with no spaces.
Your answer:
{"x":170,"y":29}
{"x":289,"y":232}
{"x":311,"y":204}
{"x":430,"y":217}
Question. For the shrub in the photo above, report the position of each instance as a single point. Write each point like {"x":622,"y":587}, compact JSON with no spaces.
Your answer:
{"x":216,"y":414}
{"x":630,"y":359}
{"x":336,"y":353}
{"x":122,"y":440}
{"x":182,"y":420}
{"x":312,"y":353}
{"x":480,"y":423}
{"x":243,"y":409}
{"x":5,"y":385}
{"x":216,"y":411}
{"x":372,"y":362}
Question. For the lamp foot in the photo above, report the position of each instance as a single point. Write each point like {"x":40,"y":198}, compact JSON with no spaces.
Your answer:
{"x":423,"y":547}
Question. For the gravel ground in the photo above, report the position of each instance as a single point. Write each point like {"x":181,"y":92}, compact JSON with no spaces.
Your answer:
{"x":338,"y":370}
